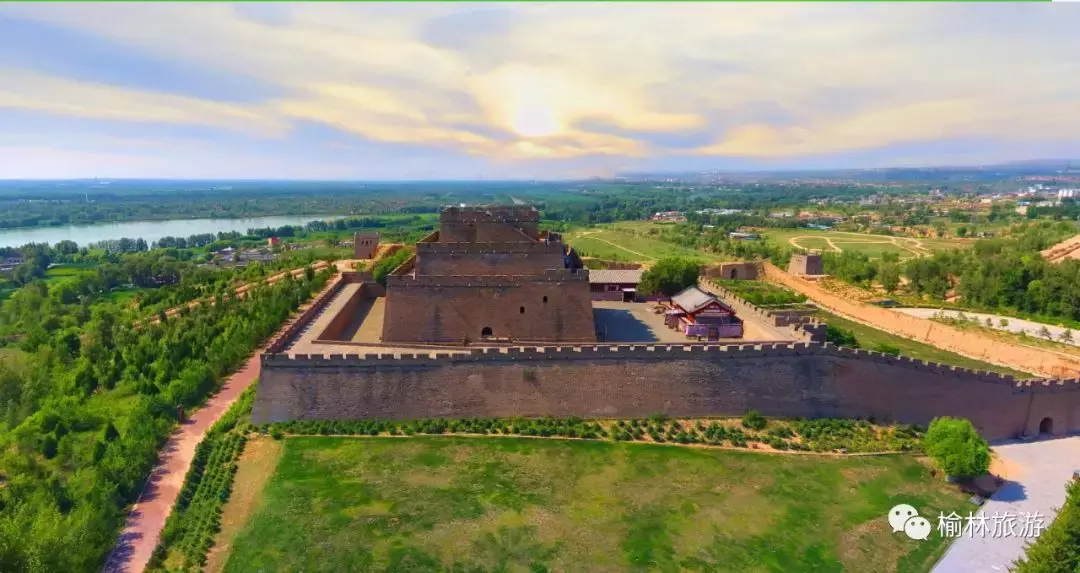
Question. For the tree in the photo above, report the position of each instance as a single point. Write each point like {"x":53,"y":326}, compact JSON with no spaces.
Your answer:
{"x":1066,"y":335}
{"x":1058,"y":547}
{"x":1045,"y":333}
{"x":669,"y":276}
{"x":840,"y":336}
{"x":889,"y":276}
{"x":957,"y":447}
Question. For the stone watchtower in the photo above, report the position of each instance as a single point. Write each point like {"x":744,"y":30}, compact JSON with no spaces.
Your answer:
{"x":365,"y":243}
{"x":806,"y":264}
{"x":488,"y":273}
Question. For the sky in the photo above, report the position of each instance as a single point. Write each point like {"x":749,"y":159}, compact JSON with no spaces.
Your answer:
{"x":537,"y":91}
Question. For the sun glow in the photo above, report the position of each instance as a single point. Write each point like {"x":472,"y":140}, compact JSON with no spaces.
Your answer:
{"x":535,"y":121}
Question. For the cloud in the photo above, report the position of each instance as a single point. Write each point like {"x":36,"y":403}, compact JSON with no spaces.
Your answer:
{"x":544,"y":83}
{"x":24,"y":90}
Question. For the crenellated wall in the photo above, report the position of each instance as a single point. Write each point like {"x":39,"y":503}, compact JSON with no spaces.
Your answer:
{"x":797,"y":379}
{"x":806,"y":328}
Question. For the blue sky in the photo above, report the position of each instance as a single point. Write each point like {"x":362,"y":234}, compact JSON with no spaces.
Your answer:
{"x":388,"y":91}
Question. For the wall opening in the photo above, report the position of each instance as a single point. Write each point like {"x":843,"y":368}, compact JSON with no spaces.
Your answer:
{"x":486,"y":331}
{"x":1046,"y":426}
{"x":521,"y":310}
{"x":732,"y":274}
{"x":545,"y":300}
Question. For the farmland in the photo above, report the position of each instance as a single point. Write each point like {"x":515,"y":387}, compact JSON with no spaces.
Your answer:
{"x":437,"y":503}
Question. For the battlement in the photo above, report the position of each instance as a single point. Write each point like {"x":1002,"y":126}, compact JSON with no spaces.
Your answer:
{"x":806,"y":328}
{"x":547,"y":276}
{"x":471,"y":248}
{"x":477,"y":213}
{"x":652,"y":351}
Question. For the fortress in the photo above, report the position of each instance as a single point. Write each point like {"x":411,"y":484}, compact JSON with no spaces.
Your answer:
{"x":489,"y":273}
{"x":493,"y":317}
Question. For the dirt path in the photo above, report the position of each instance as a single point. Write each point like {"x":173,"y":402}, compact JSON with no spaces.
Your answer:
{"x":147,"y":517}
{"x":254,"y":468}
{"x":970,"y":344}
{"x":909,"y":244}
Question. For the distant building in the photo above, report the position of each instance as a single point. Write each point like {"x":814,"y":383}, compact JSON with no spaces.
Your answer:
{"x":806,"y":264}
{"x":743,"y":236}
{"x":273,"y":241}
{"x":1067,"y":193}
{"x":699,"y":314}
{"x":365,"y":243}
{"x":614,"y":284}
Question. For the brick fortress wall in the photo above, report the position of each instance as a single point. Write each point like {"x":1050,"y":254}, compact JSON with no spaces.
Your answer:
{"x":554,"y":306}
{"x":488,"y":272}
{"x":800,"y":379}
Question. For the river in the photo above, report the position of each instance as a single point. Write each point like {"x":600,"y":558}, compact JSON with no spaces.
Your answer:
{"x":147,"y":230}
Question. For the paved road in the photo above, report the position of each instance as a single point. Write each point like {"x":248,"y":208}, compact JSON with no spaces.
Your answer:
{"x":147,"y":517}
{"x":1042,"y":470}
{"x":1015,"y":324}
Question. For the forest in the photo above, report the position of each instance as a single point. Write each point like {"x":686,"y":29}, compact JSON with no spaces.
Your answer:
{"x":90,"y":390}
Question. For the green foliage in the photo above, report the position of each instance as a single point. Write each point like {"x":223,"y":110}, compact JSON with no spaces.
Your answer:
{"x":957,"y":447}
{"x":753,"y":420}
{"x":840,"y":336}
{"x":196,"y":517}
{"x":762,"y":293}
{"x":388,"y":264}
{"x":886,"y":348}
{"x":110,"y":402}
{"x":669,"y":276}
{"x":1057,"y":549}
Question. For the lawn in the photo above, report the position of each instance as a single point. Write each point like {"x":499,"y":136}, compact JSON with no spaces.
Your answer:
{"x":870,"y":338}
{"x":501,"y":504}
{"x":625,"y":245}
{"x":872,"y":246}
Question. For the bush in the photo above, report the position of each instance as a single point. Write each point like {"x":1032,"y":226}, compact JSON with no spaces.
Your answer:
{"x":753,"y":420}
{"x":1058,"y":547}
{"x":957,"y":447}
{"x":886,"y":348}
{"x":669,"y":276}
{"x":841,"y":337}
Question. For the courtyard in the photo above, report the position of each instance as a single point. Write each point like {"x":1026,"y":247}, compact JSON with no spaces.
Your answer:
{"x":636,"y":322}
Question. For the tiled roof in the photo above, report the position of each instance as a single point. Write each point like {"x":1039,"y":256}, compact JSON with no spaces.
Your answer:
{"x":606,"y":276}
{"x":693,"y":299}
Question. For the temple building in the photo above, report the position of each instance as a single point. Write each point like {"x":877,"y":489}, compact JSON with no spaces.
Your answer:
{"x":698,"y":314}
{"x":489,"y":274}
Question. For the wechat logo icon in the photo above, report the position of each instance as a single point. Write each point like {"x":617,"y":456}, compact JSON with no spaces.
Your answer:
{"x":905,"y":518}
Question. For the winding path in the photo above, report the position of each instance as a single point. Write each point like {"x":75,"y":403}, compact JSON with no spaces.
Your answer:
{"x":147,"y":517}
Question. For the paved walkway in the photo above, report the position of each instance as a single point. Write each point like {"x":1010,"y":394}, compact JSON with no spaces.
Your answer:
{"x":1037,"y":475}
{"x":147,"y":517}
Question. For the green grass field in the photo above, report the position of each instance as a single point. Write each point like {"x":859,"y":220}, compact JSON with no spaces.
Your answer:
{"x":869,"y":338}
{"x":510,"y":504}
{"x":622,"y":244}
{"x":871,"y":245}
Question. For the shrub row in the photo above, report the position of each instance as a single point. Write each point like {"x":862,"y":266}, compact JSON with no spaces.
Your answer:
{"x":196,"y":517}
{"x":822,"y":435}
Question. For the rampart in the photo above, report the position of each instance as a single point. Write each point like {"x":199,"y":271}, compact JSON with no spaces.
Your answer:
{"x":966,"y":343}
{"x":805,"y":328}
{"x":487,"y":258}
{"x":796,"y":379}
